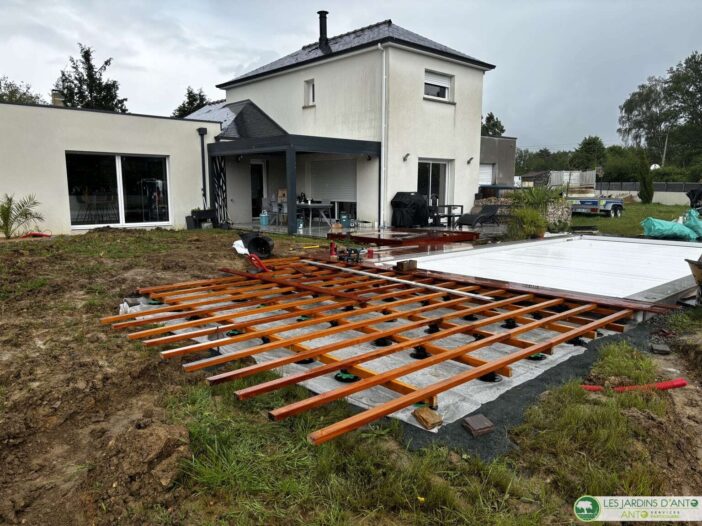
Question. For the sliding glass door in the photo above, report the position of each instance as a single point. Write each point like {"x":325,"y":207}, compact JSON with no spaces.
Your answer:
{"x":431,"y":180}
{"x":145,"y":189}
{"x":117,"y":189}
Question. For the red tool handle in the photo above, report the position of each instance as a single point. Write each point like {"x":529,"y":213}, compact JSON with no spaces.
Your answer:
{"x":256,"y":262}
{"x":659,"y":386}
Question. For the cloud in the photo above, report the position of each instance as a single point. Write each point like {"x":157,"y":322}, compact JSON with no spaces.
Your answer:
{"x":563,"y":68}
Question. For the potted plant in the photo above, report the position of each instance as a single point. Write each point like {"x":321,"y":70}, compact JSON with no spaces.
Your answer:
{"x":526,"y":223}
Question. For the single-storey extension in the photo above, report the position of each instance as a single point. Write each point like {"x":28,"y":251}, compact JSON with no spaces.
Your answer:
{"x":92,"y":168}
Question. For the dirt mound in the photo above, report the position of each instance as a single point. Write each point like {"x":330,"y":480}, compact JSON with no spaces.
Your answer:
{"x":677,"y":435}
{"x":139,"y":459}
{"x":84,"y":438}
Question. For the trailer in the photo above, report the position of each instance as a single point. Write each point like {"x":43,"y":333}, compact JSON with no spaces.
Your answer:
{"x":606,"y":206}
{"x":579,"y":188}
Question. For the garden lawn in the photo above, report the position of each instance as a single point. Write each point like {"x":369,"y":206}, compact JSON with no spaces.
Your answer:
{"x":629,"y":224}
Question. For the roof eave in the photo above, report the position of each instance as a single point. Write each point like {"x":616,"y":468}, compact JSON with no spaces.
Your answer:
{"x":473,"y":62}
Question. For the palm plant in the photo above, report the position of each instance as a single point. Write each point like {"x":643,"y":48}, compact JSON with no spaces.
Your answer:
{"x":16,"y":214}
{"x":537,"y":197}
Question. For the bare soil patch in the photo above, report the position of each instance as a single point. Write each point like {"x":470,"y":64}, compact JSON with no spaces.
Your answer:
{"x":83,"y":432}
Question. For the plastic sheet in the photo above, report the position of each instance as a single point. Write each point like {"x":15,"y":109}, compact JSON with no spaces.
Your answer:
{"x":659,"y":229}
{"x":693,"y":222}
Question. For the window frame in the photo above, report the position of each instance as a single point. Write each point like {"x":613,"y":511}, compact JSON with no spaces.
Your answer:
{"x":310,"y":99}
{"x":449,"y":88}
{"x":120,"y":192}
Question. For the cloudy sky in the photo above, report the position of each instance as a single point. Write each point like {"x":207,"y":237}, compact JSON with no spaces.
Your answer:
{"x":563,"y":66}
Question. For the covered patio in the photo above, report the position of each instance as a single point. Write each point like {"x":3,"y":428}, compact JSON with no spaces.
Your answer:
{"x":285,"y":151}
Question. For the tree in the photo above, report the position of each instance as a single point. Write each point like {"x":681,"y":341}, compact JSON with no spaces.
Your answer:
{"x":665,"y":114}
{"x":623,"y":163}
{"x":541,"y":161}
{"x":194,"y":100}
{"x":82,"y":85}
{"x":646,"y":187}
{"x":18,"y":92}
{"x":522,"y":161}
{"x":492,"y":127}
{"x":684,"y":90}
{"x":590,"y":154}
{"x":646,"y":117}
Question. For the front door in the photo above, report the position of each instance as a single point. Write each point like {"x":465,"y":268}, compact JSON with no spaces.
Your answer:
{"x":257,"y":188}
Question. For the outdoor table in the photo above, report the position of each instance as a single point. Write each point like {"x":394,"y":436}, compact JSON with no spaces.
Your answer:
{"x":320,"y":207}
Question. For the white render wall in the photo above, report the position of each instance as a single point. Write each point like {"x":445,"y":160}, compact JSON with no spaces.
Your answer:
{"x":347,"y":97}
{"x":34,"y":141}
{"x":428,"y":129}
{"x":349,"y":105}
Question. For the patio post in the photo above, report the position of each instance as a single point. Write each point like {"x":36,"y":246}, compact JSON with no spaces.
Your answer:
{"x":291,"y":177}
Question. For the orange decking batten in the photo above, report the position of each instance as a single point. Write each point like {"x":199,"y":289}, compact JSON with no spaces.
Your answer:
{"x":317,"y":300}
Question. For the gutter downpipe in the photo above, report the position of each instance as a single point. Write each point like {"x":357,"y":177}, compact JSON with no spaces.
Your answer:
{"x":202,"y":132}
{"x":383,"y":138}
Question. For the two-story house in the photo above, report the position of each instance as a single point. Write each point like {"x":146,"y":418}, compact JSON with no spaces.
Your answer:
{"x":350,"y":120}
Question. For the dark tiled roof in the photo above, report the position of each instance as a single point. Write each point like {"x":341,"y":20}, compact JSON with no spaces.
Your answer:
{"x":384,"y":31}
{"x":240,"y":120}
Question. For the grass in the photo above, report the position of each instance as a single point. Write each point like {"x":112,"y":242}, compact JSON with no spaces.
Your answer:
{"x":621,"y":360}
{"x":267,"y":473}
{"x":571,"y":443}
{"x":629,"y":224}
{"x":586,"y":444}
{"x":245,"y":469}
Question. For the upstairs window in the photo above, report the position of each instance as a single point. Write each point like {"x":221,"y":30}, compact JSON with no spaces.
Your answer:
{"x":309,"y":93}
{"x":437,"y":85}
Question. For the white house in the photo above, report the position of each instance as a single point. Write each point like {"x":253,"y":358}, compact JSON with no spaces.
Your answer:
{"x":350,"y":120}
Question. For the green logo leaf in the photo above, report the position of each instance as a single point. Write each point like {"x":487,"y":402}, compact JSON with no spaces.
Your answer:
{"x":586,"y":508}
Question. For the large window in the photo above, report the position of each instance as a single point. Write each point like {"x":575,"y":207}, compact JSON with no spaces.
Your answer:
{"x":431,"y":181}
{"x":117,"y":190}
{"x":437,"y":85}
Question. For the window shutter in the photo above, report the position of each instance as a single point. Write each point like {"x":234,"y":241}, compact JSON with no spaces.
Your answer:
{"x":437,"y":79}
{"x":486,"y":174}
{"x":334,"y":180}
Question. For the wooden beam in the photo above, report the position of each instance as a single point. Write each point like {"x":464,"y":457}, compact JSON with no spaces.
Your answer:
{"x":278,"y":362}
{"x":370,"y":415}
{"x":218,"y":360}
{"x":329,"y":396}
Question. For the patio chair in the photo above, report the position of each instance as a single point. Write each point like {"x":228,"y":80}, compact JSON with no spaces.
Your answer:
{"x":487,"y":214}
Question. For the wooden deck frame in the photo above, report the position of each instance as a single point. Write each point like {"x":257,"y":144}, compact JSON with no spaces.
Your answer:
{"x":323,"y":301}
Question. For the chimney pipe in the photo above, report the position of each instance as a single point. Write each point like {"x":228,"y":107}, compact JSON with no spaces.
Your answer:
{"x":57,"y":98}
{"x":323,"y":40}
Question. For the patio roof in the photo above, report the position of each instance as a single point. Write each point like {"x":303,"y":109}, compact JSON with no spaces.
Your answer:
{"x":299,"y":143}
{"x":289,"y":145}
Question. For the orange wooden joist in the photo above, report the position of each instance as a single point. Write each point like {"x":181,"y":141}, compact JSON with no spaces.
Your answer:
{"x":300,"y":302}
